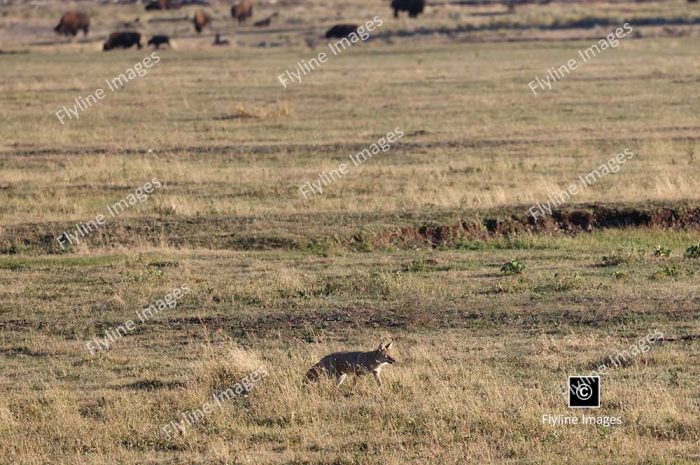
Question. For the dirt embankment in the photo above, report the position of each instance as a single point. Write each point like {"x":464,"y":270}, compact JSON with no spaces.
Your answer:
{"x":567,"y":221}
{"x":292,"y":232}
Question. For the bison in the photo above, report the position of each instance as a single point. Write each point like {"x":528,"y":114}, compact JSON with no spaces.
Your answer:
{"x":341,"y":30}
{"x":242,"y":10}
{"x":414,"y":7}
{"x":122,"y":40}
{"x":158,"y":40}
{"x":72,"y":22}
{"x":201,"y":19}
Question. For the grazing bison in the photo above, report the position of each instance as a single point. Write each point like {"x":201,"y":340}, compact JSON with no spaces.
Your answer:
{"x":242,"y":10}
{"x":265,"y":22}
{"x":201,"y":19}
{"x":72,"y":22}
{"x":158,"y":40}
{"x":122,"y":40}
{"x":414,"y":7}
{"x":341,"y":30}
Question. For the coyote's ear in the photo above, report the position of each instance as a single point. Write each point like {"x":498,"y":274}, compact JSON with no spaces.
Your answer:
{"x":385,"y":346}
{"x":382,"y":346}
{"x":388,"y":346}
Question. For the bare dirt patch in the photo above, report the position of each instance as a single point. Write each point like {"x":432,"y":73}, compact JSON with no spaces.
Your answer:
{"x":574,"y":220}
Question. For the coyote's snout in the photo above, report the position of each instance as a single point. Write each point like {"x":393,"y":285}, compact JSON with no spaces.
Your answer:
{"x":340,"y":364}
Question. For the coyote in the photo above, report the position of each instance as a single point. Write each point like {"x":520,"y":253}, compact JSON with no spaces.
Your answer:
{"x":339,"y":364}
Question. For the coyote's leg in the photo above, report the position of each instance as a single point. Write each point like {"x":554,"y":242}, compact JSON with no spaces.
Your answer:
{"x":377,"y":378}
{"x":341,"y":378}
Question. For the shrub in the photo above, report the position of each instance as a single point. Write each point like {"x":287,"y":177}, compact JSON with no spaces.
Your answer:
{"x":661,"y":251}
{"x":693,"y":251}
{"x":512,"y":267}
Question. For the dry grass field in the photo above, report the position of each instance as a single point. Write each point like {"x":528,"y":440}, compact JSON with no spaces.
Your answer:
{"x":429,"y":244}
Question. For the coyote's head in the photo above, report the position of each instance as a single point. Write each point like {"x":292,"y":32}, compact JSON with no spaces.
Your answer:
{"x":382,"y":353}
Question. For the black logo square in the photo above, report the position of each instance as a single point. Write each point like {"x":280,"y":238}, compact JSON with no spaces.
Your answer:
{"x":584,"y":391}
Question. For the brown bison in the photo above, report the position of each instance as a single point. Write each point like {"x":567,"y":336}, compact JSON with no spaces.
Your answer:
{"x":72,"y":22}
{"x":414,"y":7}
{"x":242,"y":10}
{"x":201,"y":19}
{"x":122,"y":40}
